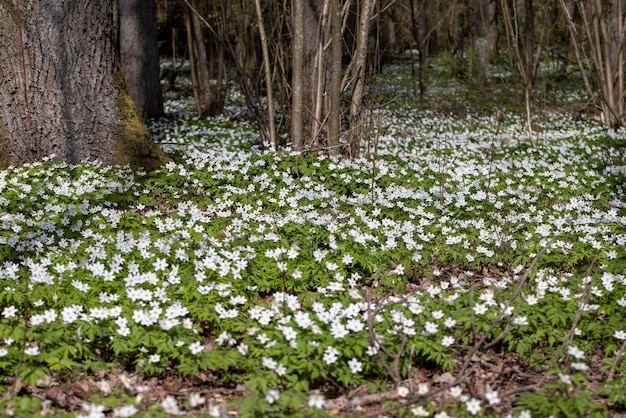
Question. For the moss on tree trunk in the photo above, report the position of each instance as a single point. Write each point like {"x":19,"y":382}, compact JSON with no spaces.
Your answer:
{"x":62,"y":92}
{"x":135,"y":145}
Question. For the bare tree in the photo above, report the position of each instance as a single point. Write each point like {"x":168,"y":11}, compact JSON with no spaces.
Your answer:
{"x":525,"y":53}
{"x":208,"y":95}
{"x":599,"y":49}
{"x":358,"y":77}
{"x":268,"y":77}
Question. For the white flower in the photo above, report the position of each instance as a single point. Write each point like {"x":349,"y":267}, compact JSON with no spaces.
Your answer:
{"x":531,"y":300}
{"x":338,"y":330}
{"x":447,"y":341}
{"x":480,"y":309}
{"x":449,"y":322}
{"x":104,"y":386}
{"x":422,"y":388}
{"x":92,"y":411}
{"x":243,"y":349}
{"x":224,"y":338}
{"x":355,"y":365}
{"x":195,"y":400}
{"x":269,"y":362}
{"x":354,"y":325}
{"x":620,"y":335}
{"x":154,"y":358}
{"x":9,"y":311}
{"x":403,"y":391}
{"x":492,"y":397}
{"x":125,"y":411}
{"x":580,"y":366}
{"x":431,"y":327}
{"x":565,"y":378}
{"x":272,"y":396}
{"x":399,"y":270}
{"x":214,"y":411}
{"x":160,"y":264}
{"x":473,"y":406}
{"x":575,"y":352}
{"x":437,"y":314}
{"x":330,"y":355}
{"x":456,"y":391}
{"x":83,"y":287}
{"x":3,"y":351}
{"x":32,"y":351}
{"x":316,"y":400}
{"x":372,"y":350}
{"x":280,"y":369}
{"x":419,"y":411}
{"x":520,"y":320}
{"x":170,"y":405}
{"x":196,"y":347}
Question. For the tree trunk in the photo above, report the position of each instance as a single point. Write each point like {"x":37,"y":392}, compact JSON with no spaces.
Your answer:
{"x":599,"y":48}
{"x":358,"y":74}
{"x":268,"y":78}
{"x":334,"y":123}
{"x":61,"y":89}
{"x":207,"y":104}
{"x":297,"y":81}
{"x":140,"y":57}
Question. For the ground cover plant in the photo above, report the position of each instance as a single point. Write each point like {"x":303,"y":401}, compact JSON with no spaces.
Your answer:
{"x":452,"y":271}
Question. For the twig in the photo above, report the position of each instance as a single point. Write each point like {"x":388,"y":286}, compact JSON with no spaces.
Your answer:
{"x":579,"y":313}
{"x":502,"y":314}
{"x":619,"y":355}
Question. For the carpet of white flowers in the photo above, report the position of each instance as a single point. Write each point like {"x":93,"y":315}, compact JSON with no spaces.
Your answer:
{"x":451,"y":271}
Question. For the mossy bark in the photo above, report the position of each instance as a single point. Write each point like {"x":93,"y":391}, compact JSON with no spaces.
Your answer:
{"x":4,"y":147}
{"x":135,"y":147}
{"x":61,"y":89}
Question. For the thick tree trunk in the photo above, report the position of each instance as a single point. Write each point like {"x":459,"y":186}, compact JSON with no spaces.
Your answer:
{"x":61,"y":89}
{"x":140,"y":57}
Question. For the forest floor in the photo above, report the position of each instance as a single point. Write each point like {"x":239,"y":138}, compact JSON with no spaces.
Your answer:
{"x":454,"y":272}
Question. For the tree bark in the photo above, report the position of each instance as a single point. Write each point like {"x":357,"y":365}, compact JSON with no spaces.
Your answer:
{"x":62,"y":91}
{"x":334,"y":123}
{"x":207,"y":102}
{"x":297,"y":81}
{"x":360,"y":61}
{"x":268,"y":77}
{"x":140,"y":57}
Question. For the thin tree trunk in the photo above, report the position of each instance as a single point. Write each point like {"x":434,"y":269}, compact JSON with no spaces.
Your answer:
{"x":525,"y":60}
{"x":297,"y":81}
{"x":334,"y":124}
{"x":600,"y":56}
{"x":360,"y":62}
{"x":268,"y":77}
{"x":198,"y":53}
{"x":319,"y":72}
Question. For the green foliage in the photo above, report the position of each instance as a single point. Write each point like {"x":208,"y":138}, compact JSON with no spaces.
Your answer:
{"x":298,"y":275}
{"x":564,"y":399}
